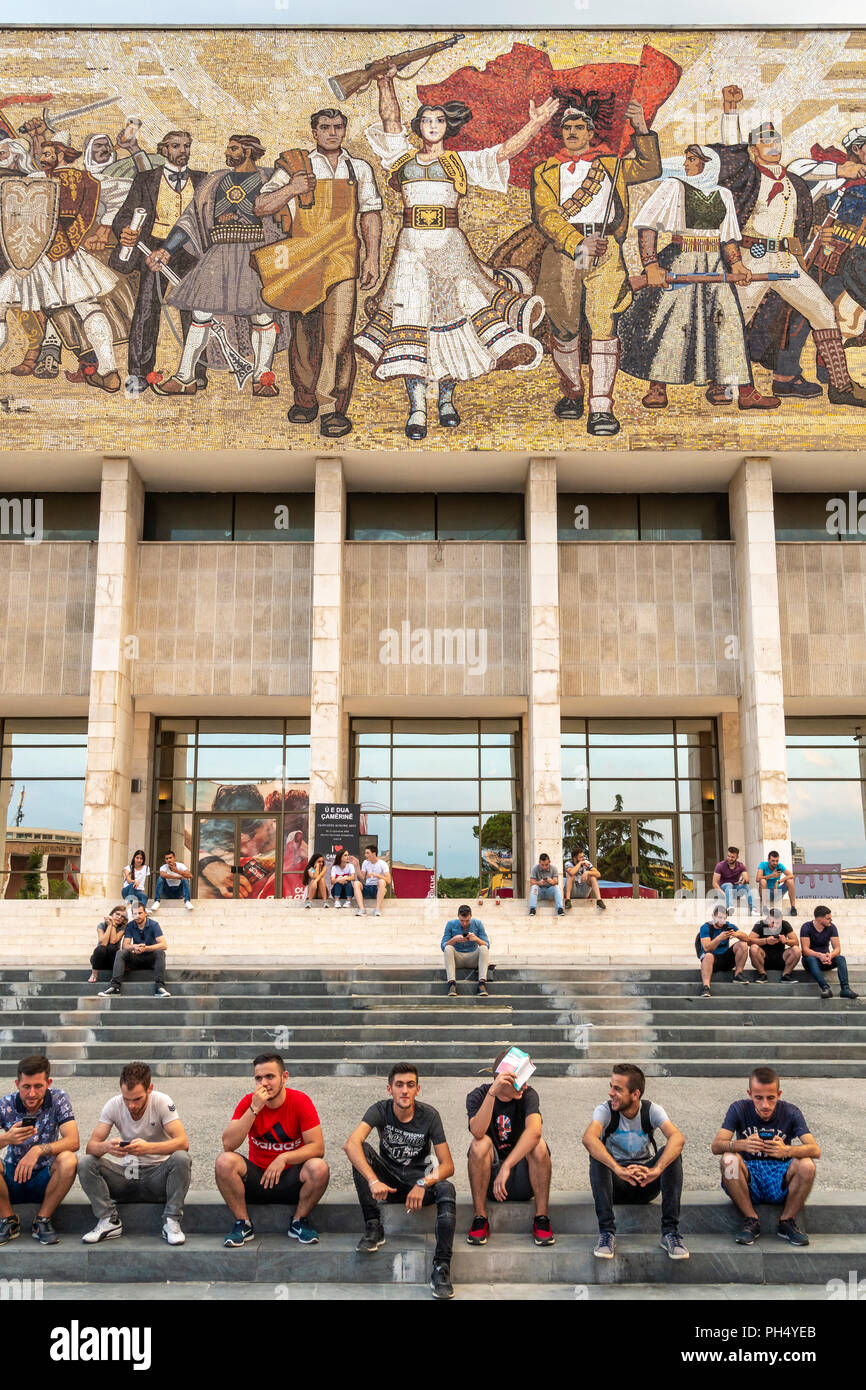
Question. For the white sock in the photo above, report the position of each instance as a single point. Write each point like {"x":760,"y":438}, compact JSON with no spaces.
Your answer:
{"x":193,"y":347}
{"x":97,"y":330}
{"x":264,"y":338}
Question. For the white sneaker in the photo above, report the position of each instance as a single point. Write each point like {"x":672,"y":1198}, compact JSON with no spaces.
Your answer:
{"x":308,"y":904}
{"x":106,"y":1228}
{"x":188,"y":906}
{"x":377,"y":913}
{"x":172,"y":1233}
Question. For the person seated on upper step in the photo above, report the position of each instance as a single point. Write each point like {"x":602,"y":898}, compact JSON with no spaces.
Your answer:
{"x":286,"y":1154}
{"x":146,"y":1161}
{"x":465,"y":945}
{"x":173,"y":881}
{"x":509,"y":1160}
{"x":143,"y":948}
{"x":720,"y":946}
{"x":822,"y":951}
{"x":39,"y":1141}
{"x":774,"y":881}
{"x":773,"y":946}
{"x":544,"y":883}
{"x":774,"y":1170}
{"x":404,"y":1170}
{"x":625,"y":1165}
{"x":582,"y":879}
{"x":376,"y":876}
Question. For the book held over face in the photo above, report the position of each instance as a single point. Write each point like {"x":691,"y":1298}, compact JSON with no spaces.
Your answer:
{"x":519,"y":1063}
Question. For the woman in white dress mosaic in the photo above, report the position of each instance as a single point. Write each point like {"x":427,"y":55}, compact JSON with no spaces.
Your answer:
{"x":441,"y":315}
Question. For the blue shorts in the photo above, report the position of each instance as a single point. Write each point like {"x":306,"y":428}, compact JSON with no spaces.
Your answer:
{"x":31,"y":1191}
{"x":370,"y":890}
{"x":767,"y":1179}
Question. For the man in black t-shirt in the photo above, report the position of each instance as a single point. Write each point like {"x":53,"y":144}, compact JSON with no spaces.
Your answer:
{"x":509,"y":1161}
{"x":773,"y":946}
{"x":822,"y":951}
{"x":404,"y":1170}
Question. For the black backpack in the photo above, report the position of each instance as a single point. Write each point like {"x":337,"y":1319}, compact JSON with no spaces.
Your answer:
{"x":645,"y":1124}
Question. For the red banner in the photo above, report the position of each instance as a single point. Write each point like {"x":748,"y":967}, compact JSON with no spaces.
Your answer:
{"x":499,"y":97}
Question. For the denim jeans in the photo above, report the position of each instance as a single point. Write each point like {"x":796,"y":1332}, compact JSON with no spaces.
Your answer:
{"x":169,"y":891}
{"x":442,"y":1193}
{"x":552,"y":890}
{"x":129,"y":890}
{"x":817,"y":971}
{"x":738,"y":890}
{"x":608,"y":1190}
{"x":343,"y":890}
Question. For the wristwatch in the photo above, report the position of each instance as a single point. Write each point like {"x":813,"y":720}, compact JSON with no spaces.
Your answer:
{"x":421,"y":1183}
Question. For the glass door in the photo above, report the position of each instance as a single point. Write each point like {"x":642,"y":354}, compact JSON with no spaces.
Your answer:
{"x":456,"y":856}
{"x":636,"y":856}
{"x":413,"y":856}
{"x":236,"y":857}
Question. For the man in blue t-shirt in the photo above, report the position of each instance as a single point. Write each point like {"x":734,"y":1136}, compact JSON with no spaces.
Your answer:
{"x":822,"y":951}
{"x":464,"y":945}
{"x":39,"y":1141}
{"x":143,"y":948}
{"x":722,"y":947}
{"x":774,"y":881}
{"x":777,"y":1170}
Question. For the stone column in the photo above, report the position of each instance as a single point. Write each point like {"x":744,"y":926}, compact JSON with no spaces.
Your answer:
{"x":105,"y":829}
{"x":766,"y":817}
{"x":731,"y":770}
{"x":544,"y":790}
{"x":327,"y":726}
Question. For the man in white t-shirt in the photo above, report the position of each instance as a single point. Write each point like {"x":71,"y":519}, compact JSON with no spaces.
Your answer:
{"x":625,"y":1165}
{"x":581,"y":880}
{"x":146,"y":1161}
{"x":376,"y":876}
{"x":173,"y":881}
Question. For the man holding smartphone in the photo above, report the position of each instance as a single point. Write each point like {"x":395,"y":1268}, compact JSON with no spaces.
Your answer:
{"x":39,"y":1139}
{"x":464,"y":945}
{"x":721,"y":947}
{"x":774,"y":1169}
{"x":147,"y":1161}
{"x":143,"y":948}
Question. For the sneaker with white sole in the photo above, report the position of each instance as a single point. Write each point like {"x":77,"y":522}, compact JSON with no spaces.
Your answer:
{"x":377,"y":913}
{"x":605,"y":1246}
{"x":161,"y":992}
{"x":106,"y":1228}
{"x":672,"y":1242}
{"x":171,"y":1232}
{"x":109,"y":989}
{"x":188,"y":906}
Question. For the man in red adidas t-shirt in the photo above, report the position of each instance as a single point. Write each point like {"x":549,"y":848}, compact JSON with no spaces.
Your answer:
{"x":286,"y":1153}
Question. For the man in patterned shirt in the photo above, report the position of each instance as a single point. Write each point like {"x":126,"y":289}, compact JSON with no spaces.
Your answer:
{"x":39,"y":1139}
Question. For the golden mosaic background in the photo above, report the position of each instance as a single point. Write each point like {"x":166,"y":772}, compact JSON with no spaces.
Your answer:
{"x":212,"y":82}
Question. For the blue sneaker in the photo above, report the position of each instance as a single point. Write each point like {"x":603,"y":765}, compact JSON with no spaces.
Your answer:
{"x":240,"y":1233}
{"x":605,"y":1246}
{"x":299,"y":1230}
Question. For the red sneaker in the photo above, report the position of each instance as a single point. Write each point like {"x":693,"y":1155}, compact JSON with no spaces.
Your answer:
{"x":478,"y":1231}
{"x":541,"y":1232}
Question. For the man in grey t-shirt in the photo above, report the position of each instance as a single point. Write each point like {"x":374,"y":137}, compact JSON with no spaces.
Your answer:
{"x":544,"y":883}
{"x":147,"y":1161}
{"x":625,"y":1165}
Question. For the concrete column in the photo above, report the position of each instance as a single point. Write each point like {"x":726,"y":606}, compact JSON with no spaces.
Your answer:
{"x":731,"y":770}
{"x":327,"y":726}
{"x":766,"y":815}
{"x":544,"y":789}
{"x":105,"y":830}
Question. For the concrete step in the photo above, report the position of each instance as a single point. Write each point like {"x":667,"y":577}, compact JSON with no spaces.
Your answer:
{"x":842,"y":1069}
{"x":708,"y":1226}
{"x":238,"y":1291}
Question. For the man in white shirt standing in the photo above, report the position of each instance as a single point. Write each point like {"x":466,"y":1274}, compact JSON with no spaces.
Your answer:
{"x":313,"y":192}
{"x":376,"y":876}
{"x":173,"y":881}
{"x":774,"y":210}
{"x":146,"y":1161}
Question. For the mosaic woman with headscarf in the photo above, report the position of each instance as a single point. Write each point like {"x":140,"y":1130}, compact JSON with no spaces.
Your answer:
{"x":691,"y":334}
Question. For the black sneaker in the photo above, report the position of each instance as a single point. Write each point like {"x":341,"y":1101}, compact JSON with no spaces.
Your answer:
{"x":532,"y":912}
{"x":560,"y":912}
{"x":740,"y":979}
{"x":373,"y":1237}
{"x":848,"y":993}
{"x":761,"y":979}
{"x":44,"y":1232}
{"x":789,"y":1230}
{"x":10,"y":1229}
{"x":109,"y":989}
{"x":240,"y":1233}
{"x":452,"y":990}
{"x":705,"y":992}
{"x":751,"y":1231}
{"x":602,"y":907}
{"x":482,"y":988}
{"x":793,"y":912}
{"x":826,"y":992}
{"x":440,"y":1281}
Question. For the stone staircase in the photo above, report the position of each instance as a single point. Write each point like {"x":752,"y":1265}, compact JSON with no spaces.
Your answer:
{"x":574,"y":1020}
{"x":836,"y":1223}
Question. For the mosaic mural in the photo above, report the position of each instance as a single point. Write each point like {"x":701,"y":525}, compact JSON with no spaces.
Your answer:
{"x":535,"y":240}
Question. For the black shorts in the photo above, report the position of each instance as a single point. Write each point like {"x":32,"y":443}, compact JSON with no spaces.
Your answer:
{"x":286,"y":1191}
{"x":725,"y":961}
{"x":774,"y":956}
{"x":519,"y":1187}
